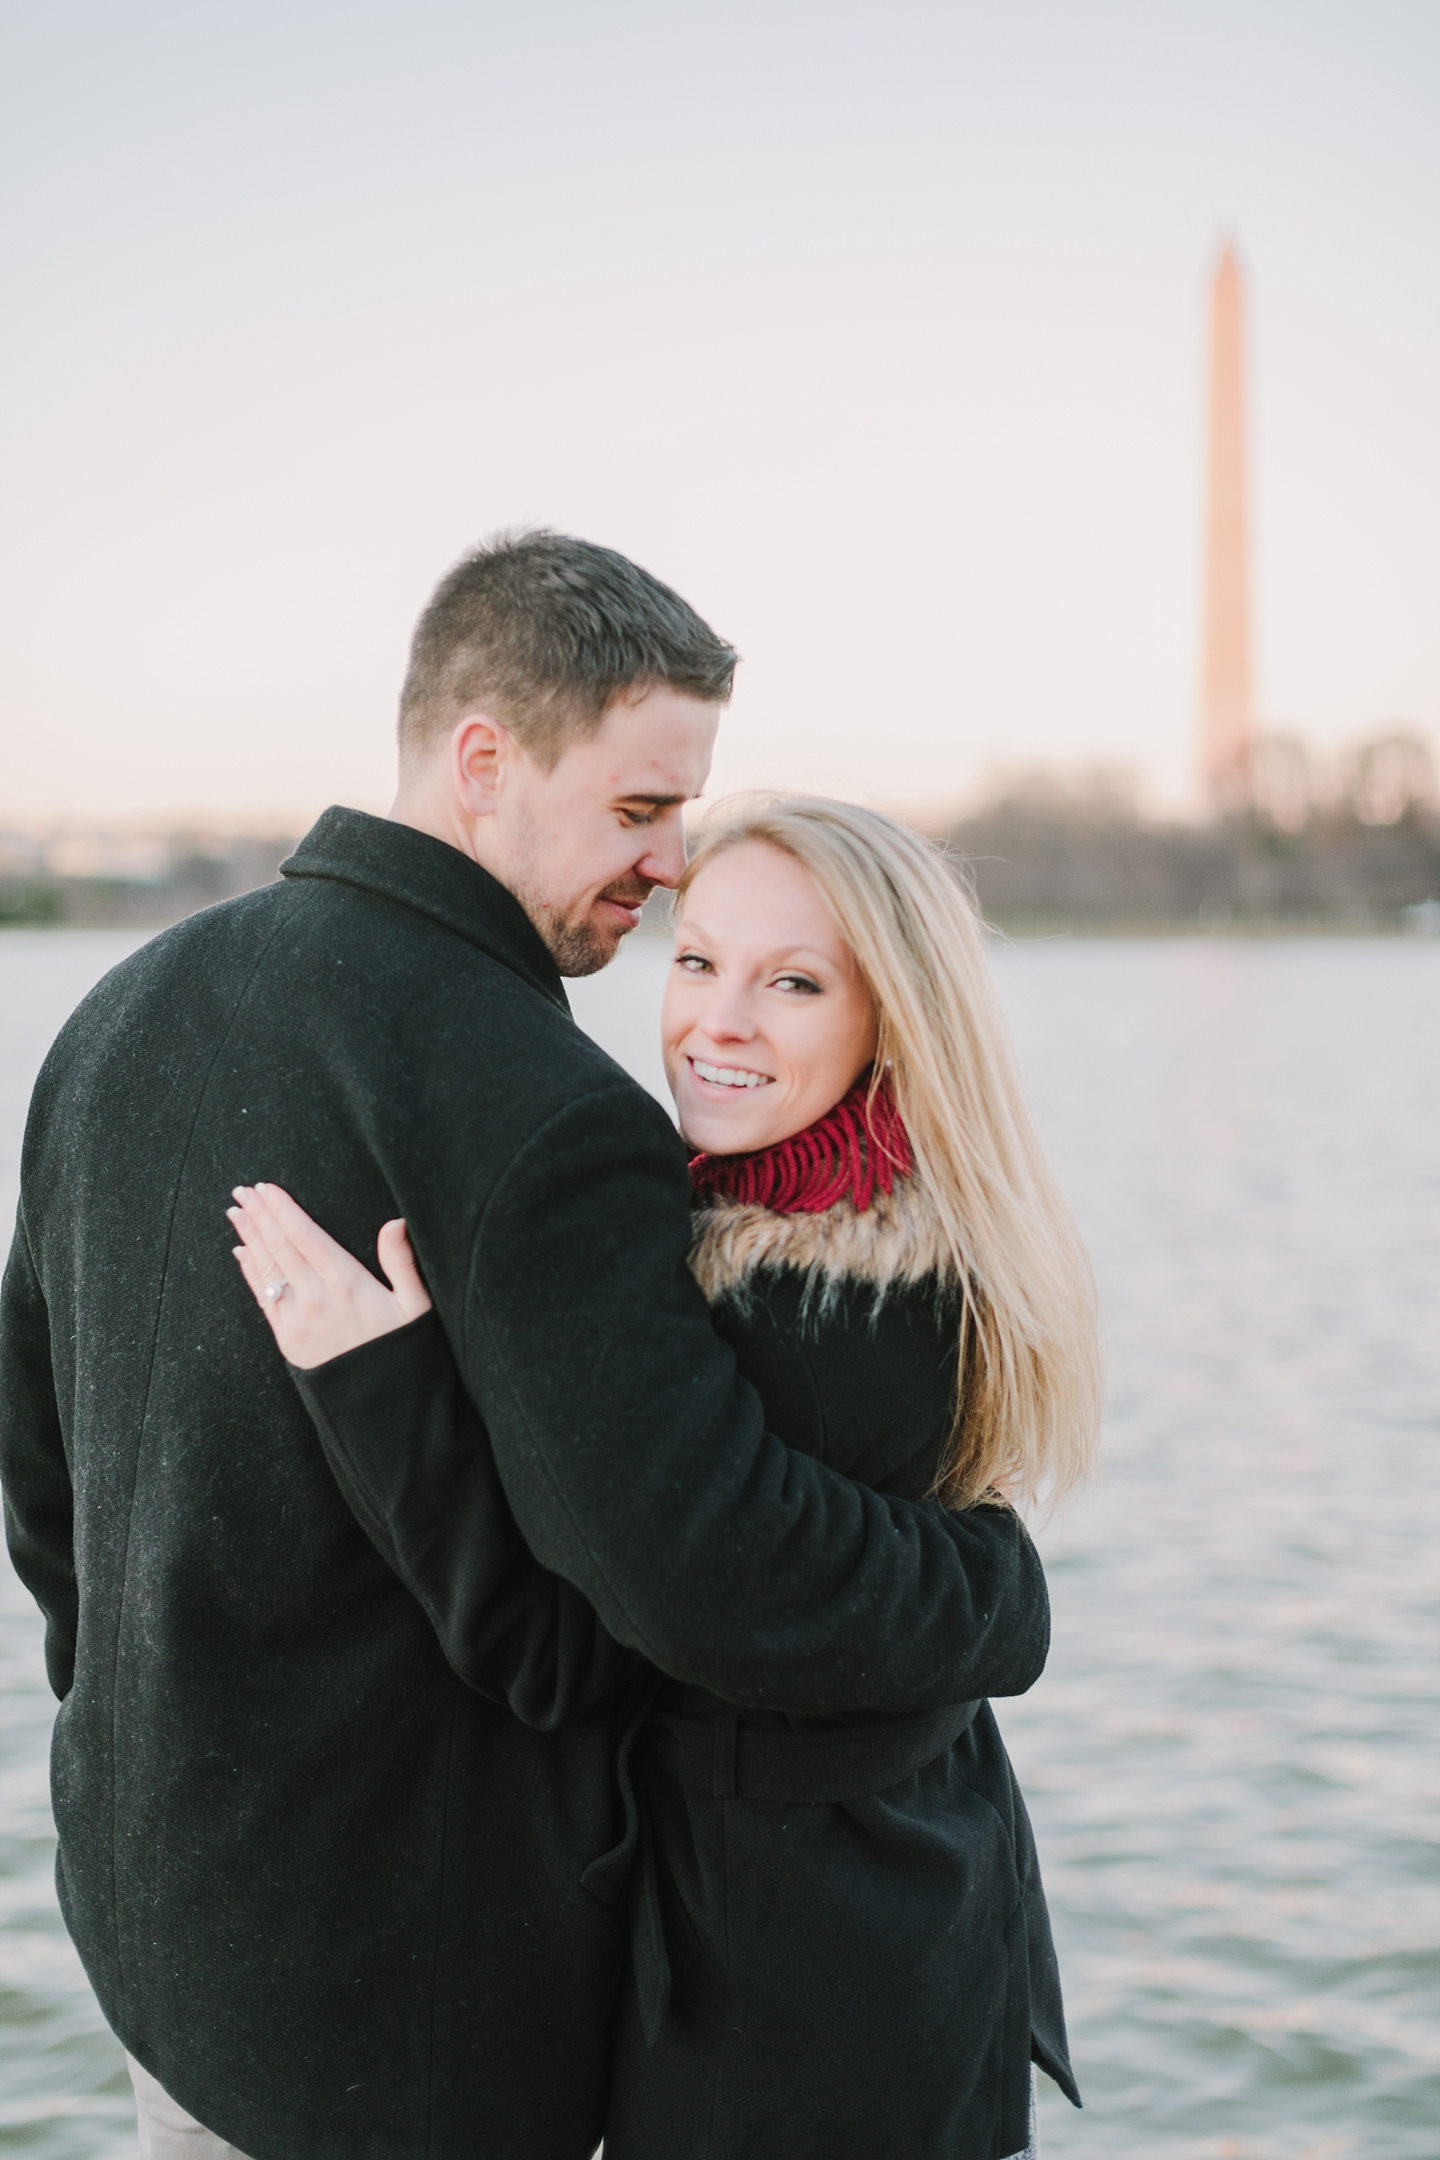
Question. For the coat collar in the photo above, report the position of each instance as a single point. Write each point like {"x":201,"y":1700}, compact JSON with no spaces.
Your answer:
{"x":894,"y":1243}
{"x":435,"y":879}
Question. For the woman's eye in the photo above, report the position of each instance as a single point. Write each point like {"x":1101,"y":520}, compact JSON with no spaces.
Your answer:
{"x":805,"y":985}
{"x":694,"y":963}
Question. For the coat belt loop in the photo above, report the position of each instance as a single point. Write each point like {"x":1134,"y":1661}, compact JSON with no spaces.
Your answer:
{"x":725,"y":1753}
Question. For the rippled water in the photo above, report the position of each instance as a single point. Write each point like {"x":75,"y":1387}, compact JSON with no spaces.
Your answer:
{"x":1232,"y":1760}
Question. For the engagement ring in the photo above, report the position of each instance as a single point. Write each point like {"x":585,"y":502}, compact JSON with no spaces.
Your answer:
{"x":277,"y":1289}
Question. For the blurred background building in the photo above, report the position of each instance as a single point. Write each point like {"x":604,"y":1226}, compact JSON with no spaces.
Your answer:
{"x":1225,"y":716}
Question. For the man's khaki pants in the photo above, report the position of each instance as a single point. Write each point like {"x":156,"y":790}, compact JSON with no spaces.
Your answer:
{"x":166,"y":2131}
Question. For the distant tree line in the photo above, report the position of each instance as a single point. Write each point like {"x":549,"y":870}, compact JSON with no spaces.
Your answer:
{"x":1357,"y":849}
{"x":1362,"y":853}
{"x":191,"y":873}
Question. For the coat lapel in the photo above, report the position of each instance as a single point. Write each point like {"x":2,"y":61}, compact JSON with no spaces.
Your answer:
{"x":420,"y":872}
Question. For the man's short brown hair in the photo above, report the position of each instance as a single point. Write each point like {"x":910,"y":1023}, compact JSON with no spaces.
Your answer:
{"x":543,"y":633}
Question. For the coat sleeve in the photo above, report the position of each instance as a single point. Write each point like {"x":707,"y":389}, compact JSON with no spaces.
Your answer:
{"x":638,"y":1467}
{"x":34,"y":1471}
{"x":412,"y":1458}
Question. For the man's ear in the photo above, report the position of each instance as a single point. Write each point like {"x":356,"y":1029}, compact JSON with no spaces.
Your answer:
{"x":482,"y":751}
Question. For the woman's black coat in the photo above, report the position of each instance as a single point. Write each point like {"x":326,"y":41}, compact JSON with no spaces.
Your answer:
{"x":846,"y":1912}
{"x":840,"y":1947}
{"x":327,"y":1891}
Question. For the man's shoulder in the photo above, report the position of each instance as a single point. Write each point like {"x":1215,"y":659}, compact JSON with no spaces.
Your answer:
{"x":481,"y":1043}
{"x":371,"y":1001}
{"x":321,"y":945}
{"x":201,"y":958}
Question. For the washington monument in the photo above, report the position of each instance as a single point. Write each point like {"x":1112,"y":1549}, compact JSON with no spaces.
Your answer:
{"x":1225,"y":718}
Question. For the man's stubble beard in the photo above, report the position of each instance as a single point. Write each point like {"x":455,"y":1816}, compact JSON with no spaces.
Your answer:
{"x":577,"y":948}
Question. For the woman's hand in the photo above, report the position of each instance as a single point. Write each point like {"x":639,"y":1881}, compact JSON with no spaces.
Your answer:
{"x":317,"y":1297}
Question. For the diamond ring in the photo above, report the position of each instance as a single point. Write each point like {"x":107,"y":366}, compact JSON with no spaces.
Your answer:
{"x":276,"y":1290}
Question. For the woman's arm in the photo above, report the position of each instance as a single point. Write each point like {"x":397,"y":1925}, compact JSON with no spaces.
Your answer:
{"x":640,"y":1471}
{"x":638,"y":1464}
{"x":410,"y":1453}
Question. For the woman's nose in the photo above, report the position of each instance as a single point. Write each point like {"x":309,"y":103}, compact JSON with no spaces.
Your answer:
{"x":731,"y":1017}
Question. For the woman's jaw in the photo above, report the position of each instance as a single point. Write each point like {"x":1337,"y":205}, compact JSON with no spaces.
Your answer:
{"x":767,"y":1020}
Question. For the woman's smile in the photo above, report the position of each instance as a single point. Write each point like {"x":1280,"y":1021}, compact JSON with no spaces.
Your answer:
{"x":728,"y":1075}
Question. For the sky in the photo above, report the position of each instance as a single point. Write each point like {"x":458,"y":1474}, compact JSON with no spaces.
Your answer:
{"x":876,"y":329}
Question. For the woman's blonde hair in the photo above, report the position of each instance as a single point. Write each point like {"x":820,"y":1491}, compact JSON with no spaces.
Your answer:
{"x":1029,"y":1387}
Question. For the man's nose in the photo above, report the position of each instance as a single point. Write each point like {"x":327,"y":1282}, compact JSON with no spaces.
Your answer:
{"x":664,"y":859}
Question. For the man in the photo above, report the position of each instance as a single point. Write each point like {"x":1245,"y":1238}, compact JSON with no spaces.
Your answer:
{"x":330,"y":1893}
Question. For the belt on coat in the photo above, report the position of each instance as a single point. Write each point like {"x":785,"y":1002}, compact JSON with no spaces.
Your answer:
{"x":735,"y":1761}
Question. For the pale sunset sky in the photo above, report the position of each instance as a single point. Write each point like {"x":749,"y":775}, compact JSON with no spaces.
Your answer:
{"x":878,"y":329}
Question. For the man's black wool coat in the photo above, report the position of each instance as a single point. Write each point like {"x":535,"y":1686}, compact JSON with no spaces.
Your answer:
{"x":327,"y":1892}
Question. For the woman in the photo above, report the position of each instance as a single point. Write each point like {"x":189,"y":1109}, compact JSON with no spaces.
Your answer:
{"x":841,"y":1945}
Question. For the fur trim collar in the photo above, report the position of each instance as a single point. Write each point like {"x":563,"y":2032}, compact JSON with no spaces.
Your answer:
{"x":896,"y":1242}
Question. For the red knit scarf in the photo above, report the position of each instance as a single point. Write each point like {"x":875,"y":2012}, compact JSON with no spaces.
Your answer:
{"x":856,"y":1147}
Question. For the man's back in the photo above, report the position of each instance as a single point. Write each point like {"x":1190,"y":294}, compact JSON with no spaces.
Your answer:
{"x":273,"y":1794}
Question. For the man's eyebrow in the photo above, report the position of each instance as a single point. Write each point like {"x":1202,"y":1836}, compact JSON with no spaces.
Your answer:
{"x":656,"y":802}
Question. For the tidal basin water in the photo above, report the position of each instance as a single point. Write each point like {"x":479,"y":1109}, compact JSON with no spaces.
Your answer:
{"x":1233,"y":1760}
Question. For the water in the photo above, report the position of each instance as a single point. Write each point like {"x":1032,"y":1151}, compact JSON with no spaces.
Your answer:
{"x":1232,"y":1759}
